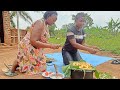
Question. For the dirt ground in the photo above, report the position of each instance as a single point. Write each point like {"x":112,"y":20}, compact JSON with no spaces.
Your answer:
{"x":8,"y":55}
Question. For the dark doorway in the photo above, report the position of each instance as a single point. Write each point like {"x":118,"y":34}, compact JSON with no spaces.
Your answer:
{"x":1,"y":28}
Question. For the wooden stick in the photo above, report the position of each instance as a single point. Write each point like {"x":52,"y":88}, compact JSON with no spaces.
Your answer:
{"x":6,"y":66}
{"x":56,"y":70}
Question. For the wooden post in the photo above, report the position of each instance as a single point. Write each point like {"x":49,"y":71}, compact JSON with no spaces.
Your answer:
{"x":18,"y":30}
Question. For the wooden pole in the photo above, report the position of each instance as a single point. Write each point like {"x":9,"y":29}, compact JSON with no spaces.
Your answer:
{"x":18,"y":31}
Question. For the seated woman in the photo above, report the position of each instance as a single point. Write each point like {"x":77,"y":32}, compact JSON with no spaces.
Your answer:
{"x":75,"y":40}
{"x":31,"y":58}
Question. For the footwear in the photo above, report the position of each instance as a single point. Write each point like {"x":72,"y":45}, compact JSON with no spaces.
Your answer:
{"x":116,"y":61}
{"x":9,"y":73}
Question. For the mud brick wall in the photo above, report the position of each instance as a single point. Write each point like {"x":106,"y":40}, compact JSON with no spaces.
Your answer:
{"x":6,"y":26}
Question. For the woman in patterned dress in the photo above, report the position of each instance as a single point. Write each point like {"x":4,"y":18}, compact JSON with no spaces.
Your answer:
{"x":31,"y":58}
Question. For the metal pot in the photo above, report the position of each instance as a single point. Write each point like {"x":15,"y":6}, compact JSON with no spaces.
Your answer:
{"x":79,"y":74}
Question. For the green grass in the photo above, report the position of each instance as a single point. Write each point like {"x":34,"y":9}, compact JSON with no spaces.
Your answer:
{"x":60,"y":36}
{"x":57,"y":40}
{"x":104,"y":40}
{"x":96,"y":37}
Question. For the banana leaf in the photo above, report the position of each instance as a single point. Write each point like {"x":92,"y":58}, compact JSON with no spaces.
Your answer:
{"x":67,"y":69}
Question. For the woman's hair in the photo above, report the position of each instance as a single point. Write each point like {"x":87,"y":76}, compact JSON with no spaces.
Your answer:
{"x":49,"y":13}
{"x":79,"y":15}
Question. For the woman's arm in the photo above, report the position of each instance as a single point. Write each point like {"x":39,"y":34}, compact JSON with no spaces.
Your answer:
{"x":36,"y":33}
{"x":79,"y":46}
{"x":83,"y":43}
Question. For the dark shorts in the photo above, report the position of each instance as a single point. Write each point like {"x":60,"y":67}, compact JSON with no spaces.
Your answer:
{"x":67,"y":56}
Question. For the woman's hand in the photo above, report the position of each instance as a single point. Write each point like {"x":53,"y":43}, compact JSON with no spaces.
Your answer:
{"x":95,"y":47}
{"x":55,"y":46}
{"x":92,"y":51}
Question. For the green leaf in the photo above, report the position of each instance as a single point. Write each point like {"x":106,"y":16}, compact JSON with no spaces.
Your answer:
{"x":96,"y":74}
{"x":104,"y":75}
{"x":66,"y":70}
{"x":82,"y":60}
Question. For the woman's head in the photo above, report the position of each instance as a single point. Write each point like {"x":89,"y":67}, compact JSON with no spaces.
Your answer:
{"x":80,"y":20}
{"x":50,"y":17}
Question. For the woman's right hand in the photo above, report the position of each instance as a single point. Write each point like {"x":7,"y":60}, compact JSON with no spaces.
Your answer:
{"x":55,"y":46}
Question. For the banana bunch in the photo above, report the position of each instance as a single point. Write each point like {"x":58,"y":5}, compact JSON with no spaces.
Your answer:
{"x":83,"y":65}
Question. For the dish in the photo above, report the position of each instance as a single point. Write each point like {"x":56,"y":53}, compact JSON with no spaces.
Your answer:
{"x":58,"y":76}
{"x":47,"y":74}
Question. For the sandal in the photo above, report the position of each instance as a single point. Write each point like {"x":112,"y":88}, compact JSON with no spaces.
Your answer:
{"x":9,"y":73}
{"x":116,"y":61}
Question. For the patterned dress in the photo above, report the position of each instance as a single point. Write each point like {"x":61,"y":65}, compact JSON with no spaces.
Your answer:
{"x":31,"y":60}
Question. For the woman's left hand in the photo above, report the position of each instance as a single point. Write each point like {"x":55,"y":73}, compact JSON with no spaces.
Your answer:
{"x":93,"y":51}
{"x":55,"y":46}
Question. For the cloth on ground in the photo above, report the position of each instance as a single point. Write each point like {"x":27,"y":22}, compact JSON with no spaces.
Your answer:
{"x":90,"y":58}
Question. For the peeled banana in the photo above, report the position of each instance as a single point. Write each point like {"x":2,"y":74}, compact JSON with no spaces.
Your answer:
{"x":83,"y":65}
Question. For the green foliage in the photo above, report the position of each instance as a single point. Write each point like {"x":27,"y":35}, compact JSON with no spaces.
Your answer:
{"x":66,"y":70}
{"x":103,"y":75}
{"x":11,"y":19}
{"x":103,"y":39}
{"x":96,"y":36}
{"x":59,"y":38}
{"x":114,"y":26}
{"x":52,"y":30}
{"x":98,"y":75}
{"x":23,"y":14}
{"x":88,"y":21}
{"x":99,"y":37}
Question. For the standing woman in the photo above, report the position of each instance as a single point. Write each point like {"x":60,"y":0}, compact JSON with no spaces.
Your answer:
{"x":31,"y":58}
{"x":75,"y":40}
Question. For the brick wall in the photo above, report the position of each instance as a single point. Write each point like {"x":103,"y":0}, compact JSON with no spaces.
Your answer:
{"x":10,"y":35}
{"x":14,"y":35}
{"x":6,"y":26}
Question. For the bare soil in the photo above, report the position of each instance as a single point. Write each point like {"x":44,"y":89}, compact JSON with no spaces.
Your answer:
{"x":8,"y":55}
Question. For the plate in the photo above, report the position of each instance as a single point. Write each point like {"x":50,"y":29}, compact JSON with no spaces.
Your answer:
{"x":59,"y":76}
{"x":47,"y":74}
